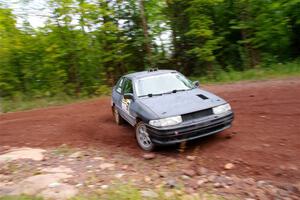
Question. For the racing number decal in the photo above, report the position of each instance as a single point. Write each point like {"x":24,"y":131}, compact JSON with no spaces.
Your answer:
{"x":125,"y":105}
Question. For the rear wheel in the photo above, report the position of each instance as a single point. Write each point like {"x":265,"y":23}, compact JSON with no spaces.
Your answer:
{"x":118,"y":119}
{"x":142,"y":137}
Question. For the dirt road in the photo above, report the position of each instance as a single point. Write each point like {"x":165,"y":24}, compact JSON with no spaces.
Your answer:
{"x":265,"y":142}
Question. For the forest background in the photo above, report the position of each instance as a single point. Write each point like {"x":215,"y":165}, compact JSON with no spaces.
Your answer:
{"x":84,"y":46}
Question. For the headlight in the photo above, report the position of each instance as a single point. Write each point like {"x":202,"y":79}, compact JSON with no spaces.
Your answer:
{"x":166,"y":122}
{"x":221,"y":109}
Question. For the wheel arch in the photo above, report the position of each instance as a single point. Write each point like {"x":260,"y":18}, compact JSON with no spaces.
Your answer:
{"x":137,"y":120}
{"x":112,"y":107}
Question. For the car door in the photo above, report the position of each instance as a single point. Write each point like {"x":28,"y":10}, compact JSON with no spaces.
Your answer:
{"x":126,"y":104}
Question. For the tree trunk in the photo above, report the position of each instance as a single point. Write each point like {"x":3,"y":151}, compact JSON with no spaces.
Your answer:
{"x":147,"y":42}
{"x":252,"y":53}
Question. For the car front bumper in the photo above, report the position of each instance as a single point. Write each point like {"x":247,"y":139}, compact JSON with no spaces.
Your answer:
{"x":190,"y":131}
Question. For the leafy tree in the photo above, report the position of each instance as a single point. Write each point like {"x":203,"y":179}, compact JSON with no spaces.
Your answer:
{"x":204,"y":42}
{"x":9,"y":43}
{"x":86,"y":45}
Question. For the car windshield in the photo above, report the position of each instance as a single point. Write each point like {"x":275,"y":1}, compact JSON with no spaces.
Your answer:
{"x":162,"y":84}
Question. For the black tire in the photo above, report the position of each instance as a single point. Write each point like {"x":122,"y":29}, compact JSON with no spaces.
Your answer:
{"x":142,"y":137}
{"x":118,"y":119}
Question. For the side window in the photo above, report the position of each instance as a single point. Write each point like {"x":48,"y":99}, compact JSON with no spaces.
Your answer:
{"x":119,"y":85}
{"x":127,"y":87}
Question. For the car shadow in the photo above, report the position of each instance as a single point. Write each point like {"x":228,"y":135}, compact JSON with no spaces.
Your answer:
{"x":191,"y":146}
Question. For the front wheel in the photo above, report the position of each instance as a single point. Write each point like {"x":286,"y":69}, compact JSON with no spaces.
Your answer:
{"x":142,"y":137}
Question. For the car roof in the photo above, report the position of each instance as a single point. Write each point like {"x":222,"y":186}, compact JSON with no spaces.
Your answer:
{"x":143,"y":74}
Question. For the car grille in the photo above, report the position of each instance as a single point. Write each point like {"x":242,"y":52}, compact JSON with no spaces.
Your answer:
{"x":190,"y":132}
{"x":194,"y":133}
{"x":197,"y":115}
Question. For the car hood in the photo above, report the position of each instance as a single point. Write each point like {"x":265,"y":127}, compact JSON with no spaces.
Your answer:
{"x":180,"y":103}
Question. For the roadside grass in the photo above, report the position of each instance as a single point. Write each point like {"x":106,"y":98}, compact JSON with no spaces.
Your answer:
{"x":127,"y":196}
{"x":129,"y":192}
{"x":271,"y":72}
{"x":63,"y":150}
{"x":292,"y":69}
{"x":21,"y":103}
{"x":11,"y":168}
{"x":21,"y":197}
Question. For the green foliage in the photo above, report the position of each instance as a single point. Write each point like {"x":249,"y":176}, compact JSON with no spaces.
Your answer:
{"x":103,"y":90}
{"x":20,"y":102}
{"x":201,"y":32}
{"x":85,"y":46}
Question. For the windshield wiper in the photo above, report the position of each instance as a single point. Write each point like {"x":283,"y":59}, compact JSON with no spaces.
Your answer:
{"x":181,"y":90}
{"x":174,"y":91}
{"x":150,"y":95}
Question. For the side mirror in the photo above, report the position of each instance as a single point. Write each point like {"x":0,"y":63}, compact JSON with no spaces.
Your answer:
{"x":196,"y":83}
{"x":129,"y":96}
